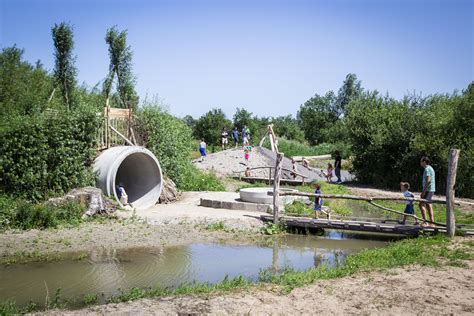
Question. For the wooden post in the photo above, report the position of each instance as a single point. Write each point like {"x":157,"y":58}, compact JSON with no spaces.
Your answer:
{"x":269,"y":175}
{"x":451,"y":181}
{"x":276,"y":187}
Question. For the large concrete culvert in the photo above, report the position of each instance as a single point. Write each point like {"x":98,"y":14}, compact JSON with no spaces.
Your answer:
{"x":136,"y":168}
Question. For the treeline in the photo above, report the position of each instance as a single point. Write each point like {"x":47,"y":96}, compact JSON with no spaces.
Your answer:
{"x":383,"y":137}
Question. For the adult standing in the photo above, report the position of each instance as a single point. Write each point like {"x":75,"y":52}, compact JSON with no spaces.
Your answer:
{"x":235,"y":136}
{"x":245,"y":139}
{"x":224,"y":140}
{"x":337,"y":166}
{"x":428,"y":183}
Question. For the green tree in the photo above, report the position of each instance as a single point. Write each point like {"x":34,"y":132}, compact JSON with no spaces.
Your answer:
{"x":120,"y":55}
{"x":350,"y":90}
{"x":316,"y":115}
{"x":287,"y":126}
{"x":24,"y":88}
{"x":64,"y":70}
{"x":209,"y":126}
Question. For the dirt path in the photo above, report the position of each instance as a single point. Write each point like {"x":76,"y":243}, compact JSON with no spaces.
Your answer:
{"x":411,"y":290}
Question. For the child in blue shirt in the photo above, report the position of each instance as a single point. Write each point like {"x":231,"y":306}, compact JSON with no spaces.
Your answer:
{"x":318,"y":202}
{"x":409,"y":209}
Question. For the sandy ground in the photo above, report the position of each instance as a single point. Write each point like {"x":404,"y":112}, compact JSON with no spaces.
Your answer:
{"x":412,"y":290}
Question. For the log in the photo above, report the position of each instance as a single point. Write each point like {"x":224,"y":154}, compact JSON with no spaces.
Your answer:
{"x":401,"y":213}
{"x":276,"y":187}
{"x":450,"y":182}
{"x":91,"y":197}
{"x":169,"y":193}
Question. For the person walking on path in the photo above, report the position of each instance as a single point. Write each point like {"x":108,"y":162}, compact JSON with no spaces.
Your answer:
{"x":428,"y":184}
{"x":337,"y":166}
{"x":235,"y":136}
{"x":224,"y":140}
{"x":202,"y":149}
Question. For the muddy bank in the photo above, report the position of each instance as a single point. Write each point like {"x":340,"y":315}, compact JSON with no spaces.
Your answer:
{"x":38,"y":245}
{"x":410,"y":290}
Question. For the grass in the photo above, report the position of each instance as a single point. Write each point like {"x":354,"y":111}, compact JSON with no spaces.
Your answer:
{"x":426,"y":251}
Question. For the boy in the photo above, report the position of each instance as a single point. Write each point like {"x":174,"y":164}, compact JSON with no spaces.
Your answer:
{"x":409,"y":209}
{"x":122,"y":195}
{"x":202,"y":149}
{"x":318,"y":202}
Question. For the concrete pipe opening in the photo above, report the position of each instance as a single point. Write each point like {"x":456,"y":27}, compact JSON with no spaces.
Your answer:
{"x":136,"y":169}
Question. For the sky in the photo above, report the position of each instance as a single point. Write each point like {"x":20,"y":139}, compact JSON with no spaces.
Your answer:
{"x":266,"y":56}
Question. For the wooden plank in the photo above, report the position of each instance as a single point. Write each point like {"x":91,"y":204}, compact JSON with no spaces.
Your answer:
{"x":450,"y":182}
{"x":117,"y":113}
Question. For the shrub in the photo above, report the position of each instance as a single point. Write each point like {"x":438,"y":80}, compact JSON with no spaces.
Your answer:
{"x":21,"y":214}
{"x":48,"y":153}
{"x":169,"y":138}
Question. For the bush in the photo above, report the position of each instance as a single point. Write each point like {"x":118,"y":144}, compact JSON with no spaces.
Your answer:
{"x":294,"y":148}
{"x":47,"y":154}
{"x":169,"y":138}
{"x":22,"y":214}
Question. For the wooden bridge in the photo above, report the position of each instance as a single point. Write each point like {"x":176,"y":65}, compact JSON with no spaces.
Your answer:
{"x":367,"y":225}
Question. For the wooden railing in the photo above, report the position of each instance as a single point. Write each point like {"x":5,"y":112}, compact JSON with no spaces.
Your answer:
{"x":270,"y":168}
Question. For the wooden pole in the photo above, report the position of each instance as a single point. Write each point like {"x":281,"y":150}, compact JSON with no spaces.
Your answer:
{"x":276,"y":187}
{"x":450,"y":182}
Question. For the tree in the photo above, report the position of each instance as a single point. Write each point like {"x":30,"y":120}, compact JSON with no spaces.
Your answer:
{"x":350,"y":90}
{"x":64,"y":70}
{"x":24,"y":88}
{"x":316,"y":115}
{"x":120,"y":65}
{"x":209,"y":126}
{"x":287,"y":126}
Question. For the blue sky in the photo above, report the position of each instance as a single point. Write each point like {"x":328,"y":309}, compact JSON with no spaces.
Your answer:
{"x":266,"y":56}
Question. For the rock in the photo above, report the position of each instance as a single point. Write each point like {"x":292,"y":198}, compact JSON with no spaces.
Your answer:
{"x":169,"y":193}
{"x":92,"y":197}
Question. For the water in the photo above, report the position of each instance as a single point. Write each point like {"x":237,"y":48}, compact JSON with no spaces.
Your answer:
{"x":106,"y":271}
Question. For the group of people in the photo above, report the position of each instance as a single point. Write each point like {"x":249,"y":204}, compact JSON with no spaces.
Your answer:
{"x":244,"y":136}
{"x":428,"y":190}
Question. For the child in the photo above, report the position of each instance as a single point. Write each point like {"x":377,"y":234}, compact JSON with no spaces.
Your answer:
{"x":202,"y":149}
{"x":409,"y":209}
{"x":318,"y":202}
{"x":247,"y":172}
{"x":329,"y":173}
{"x":122,"y":195}
{"x":247,"y":156}
{"x":295,"y":168}
{"x":305,"y":163}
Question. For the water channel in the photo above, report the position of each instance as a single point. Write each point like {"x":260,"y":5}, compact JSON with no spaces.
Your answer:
{"x":107,"y":271}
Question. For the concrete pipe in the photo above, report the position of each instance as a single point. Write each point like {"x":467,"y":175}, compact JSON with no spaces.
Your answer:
{"x":136,"y":168}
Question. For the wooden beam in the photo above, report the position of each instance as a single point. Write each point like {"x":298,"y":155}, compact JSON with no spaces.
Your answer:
{"x":450,"y":182}
{"x":123,"y":137}
{"x":276,"y":188}
{"x":361,"y":198}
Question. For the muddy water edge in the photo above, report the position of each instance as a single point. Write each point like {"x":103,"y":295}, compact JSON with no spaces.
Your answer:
{"x":104,"y":272}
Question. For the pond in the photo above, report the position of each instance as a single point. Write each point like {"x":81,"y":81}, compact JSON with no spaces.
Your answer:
{"x":107,"y":271}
